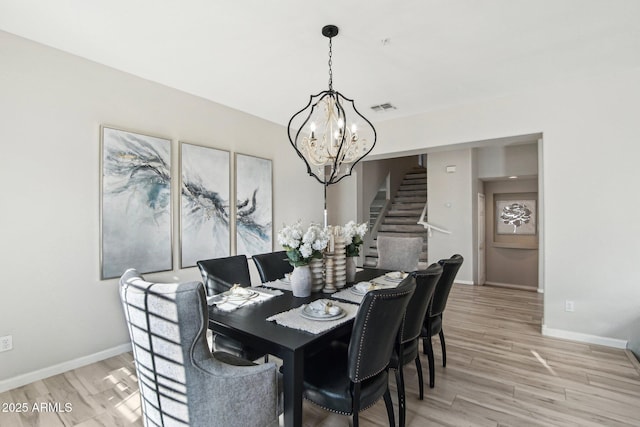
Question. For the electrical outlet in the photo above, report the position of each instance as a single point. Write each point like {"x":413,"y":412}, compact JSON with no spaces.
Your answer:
{"x":6,"y":343}
{"x":568,"y":306}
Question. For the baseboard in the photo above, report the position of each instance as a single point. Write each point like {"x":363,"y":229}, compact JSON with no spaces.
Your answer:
{"x":28,"y":378}
{"x":585,"y":338}
{"x":511,"y":286}
{"x":464,"y":282}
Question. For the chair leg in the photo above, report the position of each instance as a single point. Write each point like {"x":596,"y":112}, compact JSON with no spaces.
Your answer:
{"x":402,"y":405}
{"x":444,"y":351}
{"x":356,"y":403}
{"x":420,"y":379}
{"x":429,"y":351}
{"x":389,"y":404}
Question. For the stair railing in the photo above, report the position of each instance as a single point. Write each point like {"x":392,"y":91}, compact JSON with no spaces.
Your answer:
{"x":428,"y":226}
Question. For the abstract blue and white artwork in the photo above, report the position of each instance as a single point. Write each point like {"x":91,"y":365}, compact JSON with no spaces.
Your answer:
{"x":254,"y":205}
{"x":136,"y":203}
{"x":204,"y":204}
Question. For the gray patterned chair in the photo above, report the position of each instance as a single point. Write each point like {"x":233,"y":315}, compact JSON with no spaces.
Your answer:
{"x":399,"y":253}
{"x":181,"y":382}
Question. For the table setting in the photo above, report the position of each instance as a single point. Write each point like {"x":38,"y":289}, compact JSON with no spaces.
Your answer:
{"x":317,"y":316}
{"x":239,"y":296}
{"x":357,"y":292}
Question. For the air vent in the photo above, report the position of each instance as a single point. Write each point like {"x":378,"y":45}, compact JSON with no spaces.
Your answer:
{"x":383,"y":107}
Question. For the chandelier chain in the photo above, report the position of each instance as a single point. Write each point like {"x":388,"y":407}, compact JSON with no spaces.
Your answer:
{"x":330,"y":63}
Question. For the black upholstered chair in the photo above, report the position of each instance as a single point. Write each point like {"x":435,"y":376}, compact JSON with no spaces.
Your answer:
{"x":181,"y":382}
{"x":272,"y":265}
{"x":219,"y":275}
{"x":433,"y":320}
{"x":348,"y":378}
{"x":406,"y":348}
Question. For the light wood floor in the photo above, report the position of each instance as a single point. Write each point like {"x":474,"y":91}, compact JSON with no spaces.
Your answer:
{"x":500,"y":372}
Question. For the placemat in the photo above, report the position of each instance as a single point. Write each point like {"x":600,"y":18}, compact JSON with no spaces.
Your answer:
{"x":263,"y":295}
{"x":382,"y":280}
{"x":348,"y":295}
{"x":293,"y":319}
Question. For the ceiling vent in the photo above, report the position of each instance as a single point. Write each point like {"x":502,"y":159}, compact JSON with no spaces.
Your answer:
{"x":383,"y":107}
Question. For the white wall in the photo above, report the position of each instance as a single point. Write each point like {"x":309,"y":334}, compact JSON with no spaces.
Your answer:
{"x":591,"y":148}
{"x":51,"y":107}
{"x":450,"y":206}
{"x":497,"y":162}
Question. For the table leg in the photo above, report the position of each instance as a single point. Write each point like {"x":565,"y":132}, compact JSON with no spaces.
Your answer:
{"x":293,"y":371}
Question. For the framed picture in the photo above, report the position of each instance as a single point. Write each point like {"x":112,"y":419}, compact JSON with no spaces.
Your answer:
{"x":254,"y":205}
{"x":515,"y":217}
{"x":204,"y":204}
{"x":135,"y":203}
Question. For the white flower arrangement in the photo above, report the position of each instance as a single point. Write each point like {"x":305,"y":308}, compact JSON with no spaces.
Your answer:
{"x":302,"y":246}
{"x":353,"y":234}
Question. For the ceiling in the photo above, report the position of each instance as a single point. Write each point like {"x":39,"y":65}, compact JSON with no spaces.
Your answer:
{"x":267,"y":57}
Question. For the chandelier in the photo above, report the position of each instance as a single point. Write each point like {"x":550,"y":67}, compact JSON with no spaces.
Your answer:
{"x":329,"y":134}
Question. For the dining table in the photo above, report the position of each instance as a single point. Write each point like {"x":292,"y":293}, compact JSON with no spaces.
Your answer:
{"x":249,"y":325}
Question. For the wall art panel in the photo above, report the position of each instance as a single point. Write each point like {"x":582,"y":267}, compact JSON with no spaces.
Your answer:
{"x":254,"y":205}
{"x":204,"y":204}
{"x":135,"y":218}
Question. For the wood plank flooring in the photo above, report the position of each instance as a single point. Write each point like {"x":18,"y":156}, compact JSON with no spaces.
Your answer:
{"x":500,"y":372}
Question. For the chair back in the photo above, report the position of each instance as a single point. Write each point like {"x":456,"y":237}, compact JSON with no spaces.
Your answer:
{"x":426,"y":281}
{"x":399,"y":253}
{"x":167,"y":325}
{"x":450,"y":269}
{"x":375,"y":328}
{"x":272,"y":266}
{"x":220,"y":274}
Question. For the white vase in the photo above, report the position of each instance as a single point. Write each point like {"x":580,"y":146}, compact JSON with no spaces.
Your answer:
{"x":301,"y":281}
{"x":351,"y":269}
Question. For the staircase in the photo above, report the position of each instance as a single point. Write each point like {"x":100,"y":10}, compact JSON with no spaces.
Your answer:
{"x":401,"y":219}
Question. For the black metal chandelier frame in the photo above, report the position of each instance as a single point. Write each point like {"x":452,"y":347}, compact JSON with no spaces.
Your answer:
{"x":337,"y":100}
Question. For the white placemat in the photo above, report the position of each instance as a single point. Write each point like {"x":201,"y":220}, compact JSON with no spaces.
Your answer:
{"x":349,"y":295}
{"x":382,"y":280}
{"x":278,"y":284}
{"x":293,"y":319}
{"x":263,"y":295}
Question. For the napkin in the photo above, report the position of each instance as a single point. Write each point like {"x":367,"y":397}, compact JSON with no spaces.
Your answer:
{"x":365,"y":287}
{"x":324,"y":306}
{"x":239,"y":290}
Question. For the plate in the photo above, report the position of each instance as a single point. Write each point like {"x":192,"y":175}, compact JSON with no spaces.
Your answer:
{"x":244,"y":295}
{"x":356,"y":291}
{"x":396,"y":276}
{"x":359,"y":292}
{"x":308,"y":313}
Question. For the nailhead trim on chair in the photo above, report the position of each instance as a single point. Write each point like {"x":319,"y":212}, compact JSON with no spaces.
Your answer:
{"x":364,"y":329}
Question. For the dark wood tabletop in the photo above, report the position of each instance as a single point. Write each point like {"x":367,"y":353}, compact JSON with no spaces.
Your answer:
{"x":248,"y":324}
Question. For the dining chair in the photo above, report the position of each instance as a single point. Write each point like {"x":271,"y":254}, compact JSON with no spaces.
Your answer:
{"x":219,"y":275}
{"x":181,"y":382}
{"x":433,"y":320}
{"x":272,"y":265}
{"x":406,"y":347}
{"x":399,"y":253}
{"x":348,"y":378}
